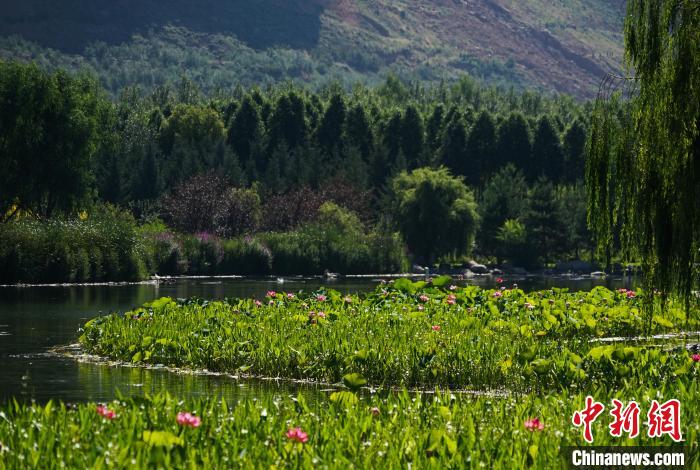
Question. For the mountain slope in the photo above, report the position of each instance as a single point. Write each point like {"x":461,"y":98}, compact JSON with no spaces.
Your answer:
{"x":559,"y":45}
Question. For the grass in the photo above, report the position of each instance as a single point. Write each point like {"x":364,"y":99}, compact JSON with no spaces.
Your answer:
{"x":390,"y":431}
{"x":405,"y":334}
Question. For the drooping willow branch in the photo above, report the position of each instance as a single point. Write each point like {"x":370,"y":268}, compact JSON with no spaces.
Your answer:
{"x":643,"y":169}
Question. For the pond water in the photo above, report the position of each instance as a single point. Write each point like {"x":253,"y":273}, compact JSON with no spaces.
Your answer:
{"x":34,"y":320}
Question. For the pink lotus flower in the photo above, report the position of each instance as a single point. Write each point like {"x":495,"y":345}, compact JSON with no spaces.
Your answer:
{"x":450,"y":302}
{"x":321,"y":298}
{"x":271,"y":293}
{"x":296,"y":434}
{"x":436,"y":327}
{"x":497,"y":294}
{"x":453,"y":288}
{"x":696,"y":357}
{"x":375,"y":411}
{"x":290,"y":296}
{"x":188,"y":419}
{"x":424,"y":298}
{"x":258,"y":303}
{"x":106,"y":412}
{"x":321,"y":315}
{"x":534,"y":424}
{"x":631,"y":294}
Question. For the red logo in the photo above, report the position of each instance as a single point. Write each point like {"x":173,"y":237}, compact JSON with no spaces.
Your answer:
{"x":587,"y":416}
{"x":665,"y":419}
{"x":626,"y":420}
{"x":662,"y":419}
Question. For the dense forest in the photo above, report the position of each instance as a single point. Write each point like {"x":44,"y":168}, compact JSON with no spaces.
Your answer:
{"x":284,"y":159}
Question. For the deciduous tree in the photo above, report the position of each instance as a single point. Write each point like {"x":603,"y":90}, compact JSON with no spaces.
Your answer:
{"x":435,"y":212}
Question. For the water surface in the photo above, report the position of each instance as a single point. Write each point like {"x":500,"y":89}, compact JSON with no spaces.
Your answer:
{"x":33,"y":320}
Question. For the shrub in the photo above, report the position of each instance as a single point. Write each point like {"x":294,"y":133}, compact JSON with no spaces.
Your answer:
{"x":294,"y":253}
{"x":301,"y":206}
{"x":239,"y":212}
{"x":513,"y":246}
{"x":335,"y":241}
{"x":204,"y":253}
{"x":191,"y":206}
{"x":103,"y":247}
{"x":388,"y":253}
{"x":245,"y":255}
{"x":165,"y":254}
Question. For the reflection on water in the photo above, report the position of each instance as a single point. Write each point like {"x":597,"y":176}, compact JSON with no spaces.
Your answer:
{"x":35,"y":319}
{"x":100,"y":382}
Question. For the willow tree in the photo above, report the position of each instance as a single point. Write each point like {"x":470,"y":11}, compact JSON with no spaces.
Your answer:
{"x":436,"y":213}
{"x":643,"y":169}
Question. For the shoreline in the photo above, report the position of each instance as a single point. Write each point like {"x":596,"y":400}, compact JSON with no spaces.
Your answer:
{"x":457,"y":277}
{"x":76,"y":352}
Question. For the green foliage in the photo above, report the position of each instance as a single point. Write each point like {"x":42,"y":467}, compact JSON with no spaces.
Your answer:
{"x":513,"y":243}
{"x":514,"y":145}
{"x":336,"y":241}
{"x":453,"y":152}
{"x":644,"y":154}
{"x":246,"y":256}
{"x":505,"y":197}
{"x":245,"y":131}
{"x":330,"y":128}
{"x":176,"y":153}
{"x":240,"y":212}
{"x":407,"y":429}
{"x":486,"y":338}
{"x":544,"y":220}
{"x":50,"y":127}
{"x":192,"y":140}
{"x":481,"y":148}
{"x":103,"y":247}
{"x":436,"y":212}
{"x":574,"y":146}
{"x":266,"y":42}
{"x":548,"y":157}
{"x":412,"y":138}
{"x":572,"y":206}
{"x":553,"y":219}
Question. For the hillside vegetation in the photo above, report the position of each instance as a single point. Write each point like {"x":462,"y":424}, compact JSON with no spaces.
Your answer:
{"x":554,"y":46}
